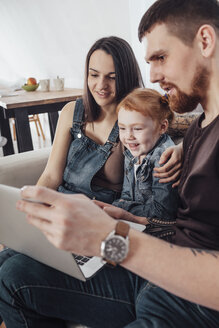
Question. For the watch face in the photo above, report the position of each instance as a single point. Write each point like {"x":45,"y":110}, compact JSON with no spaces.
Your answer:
{"x":116,"y":249}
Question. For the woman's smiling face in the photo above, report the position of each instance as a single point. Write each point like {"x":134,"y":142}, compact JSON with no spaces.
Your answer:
{"x":101,"y":78}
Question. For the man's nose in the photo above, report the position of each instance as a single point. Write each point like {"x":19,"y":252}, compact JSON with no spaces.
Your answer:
{"x":155,"y":74}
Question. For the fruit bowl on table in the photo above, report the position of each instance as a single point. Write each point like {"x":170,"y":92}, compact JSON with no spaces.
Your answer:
{"x":30,"y":87}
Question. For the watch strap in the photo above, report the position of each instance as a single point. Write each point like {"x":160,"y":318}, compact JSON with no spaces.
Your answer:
{"x":122,"y":229}
{"x":110,"y":264}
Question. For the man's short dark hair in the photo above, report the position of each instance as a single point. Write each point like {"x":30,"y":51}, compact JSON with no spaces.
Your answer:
{"x":182,"y":17}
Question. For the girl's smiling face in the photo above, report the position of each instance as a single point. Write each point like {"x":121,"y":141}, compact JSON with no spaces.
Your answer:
{"x":139,"y":133}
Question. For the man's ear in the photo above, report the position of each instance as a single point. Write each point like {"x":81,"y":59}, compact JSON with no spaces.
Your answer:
{"x":164,"y":126}
{"x":206,"y":37}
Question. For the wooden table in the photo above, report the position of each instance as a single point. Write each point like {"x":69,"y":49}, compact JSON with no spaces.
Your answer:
{"x":25,"y":103}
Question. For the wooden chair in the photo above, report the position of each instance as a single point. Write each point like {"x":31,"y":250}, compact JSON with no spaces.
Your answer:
{"x":32,"y":118}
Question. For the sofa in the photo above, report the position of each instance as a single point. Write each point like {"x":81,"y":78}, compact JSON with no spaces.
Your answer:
{"x":25,"y":168}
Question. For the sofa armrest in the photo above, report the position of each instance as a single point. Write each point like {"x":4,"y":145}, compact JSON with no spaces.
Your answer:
{"x":23,"y":168}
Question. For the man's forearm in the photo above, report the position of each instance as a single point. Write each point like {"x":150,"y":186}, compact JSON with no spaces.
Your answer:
{"x":74,"y":223}
{"x":189,"y":273}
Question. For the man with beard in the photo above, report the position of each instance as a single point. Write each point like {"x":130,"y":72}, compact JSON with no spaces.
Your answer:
{"x":182,"y":48}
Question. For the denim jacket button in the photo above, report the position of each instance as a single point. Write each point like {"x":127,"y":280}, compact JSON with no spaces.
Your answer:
{"x":79,"y":135}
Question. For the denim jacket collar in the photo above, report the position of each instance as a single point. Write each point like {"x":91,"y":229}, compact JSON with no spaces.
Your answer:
{"x":134,"y":160}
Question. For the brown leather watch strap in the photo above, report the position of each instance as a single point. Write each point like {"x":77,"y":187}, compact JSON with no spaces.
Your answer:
{"x":122,"y":229}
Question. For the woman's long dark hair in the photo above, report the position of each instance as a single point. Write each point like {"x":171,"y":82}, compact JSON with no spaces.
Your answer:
{"x":128,"y":75}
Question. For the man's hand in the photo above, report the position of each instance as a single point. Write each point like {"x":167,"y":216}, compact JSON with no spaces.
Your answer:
{"x":170,"y":171}
{"x":70,"y":222}
{"x":120,"y":214}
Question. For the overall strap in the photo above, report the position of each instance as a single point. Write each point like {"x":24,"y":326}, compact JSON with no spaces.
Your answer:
{"x":78,"y":122}
{"x":112,"y":139}
{"x":114,"y":134}
{"x":79,"y":111}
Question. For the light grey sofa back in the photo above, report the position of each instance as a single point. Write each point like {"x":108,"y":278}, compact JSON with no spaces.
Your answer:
{"x":24,"y":168}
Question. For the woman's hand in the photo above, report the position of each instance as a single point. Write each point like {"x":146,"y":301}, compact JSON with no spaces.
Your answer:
{"x":120,"y":214}
{"x":171,"y":170}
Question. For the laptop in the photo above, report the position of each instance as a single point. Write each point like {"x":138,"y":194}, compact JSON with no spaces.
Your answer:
{"x":18,"y":234}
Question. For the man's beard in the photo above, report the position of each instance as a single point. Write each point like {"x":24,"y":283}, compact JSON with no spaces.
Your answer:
{"x":181,"y":102}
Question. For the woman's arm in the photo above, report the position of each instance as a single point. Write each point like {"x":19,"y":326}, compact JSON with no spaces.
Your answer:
{"x":52,"y":175}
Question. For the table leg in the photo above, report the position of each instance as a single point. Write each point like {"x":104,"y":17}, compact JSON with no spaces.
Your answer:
{"x":8,"y":149}
{"x":24,"y":139}
{"x":53,"y":119}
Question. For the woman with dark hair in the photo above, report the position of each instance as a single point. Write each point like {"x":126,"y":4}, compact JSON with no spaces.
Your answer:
{"x":88,"y":150}
{"x":86,"y":155}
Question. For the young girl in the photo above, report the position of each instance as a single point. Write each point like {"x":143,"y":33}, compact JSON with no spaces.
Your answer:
{"x":143,"y":118}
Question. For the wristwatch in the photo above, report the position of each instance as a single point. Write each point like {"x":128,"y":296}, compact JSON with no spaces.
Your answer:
{"x":115,"y":247}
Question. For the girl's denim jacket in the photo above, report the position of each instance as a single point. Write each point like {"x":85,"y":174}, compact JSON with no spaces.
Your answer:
{"x":145,"y":196}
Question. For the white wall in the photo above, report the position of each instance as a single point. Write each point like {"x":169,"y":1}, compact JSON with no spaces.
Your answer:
{"x":136,"y":11}
{"x":46,"y":38}
{"x":147,"y":67}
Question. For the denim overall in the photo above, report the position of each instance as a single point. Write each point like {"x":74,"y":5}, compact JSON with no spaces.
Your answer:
{"x":85,"y":158}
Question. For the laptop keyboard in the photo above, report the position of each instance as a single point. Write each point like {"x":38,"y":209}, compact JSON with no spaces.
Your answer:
{"x":81,"y":260}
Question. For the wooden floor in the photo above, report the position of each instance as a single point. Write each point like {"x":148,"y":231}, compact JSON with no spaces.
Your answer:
{"x":38,"y":142}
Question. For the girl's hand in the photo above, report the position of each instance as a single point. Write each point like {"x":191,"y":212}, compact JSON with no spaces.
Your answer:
{"x":120,"y":214}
